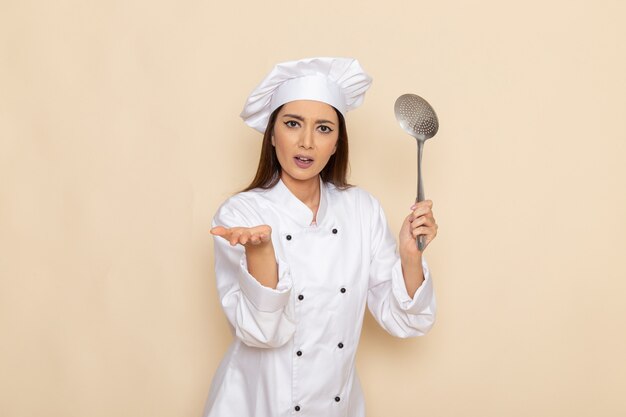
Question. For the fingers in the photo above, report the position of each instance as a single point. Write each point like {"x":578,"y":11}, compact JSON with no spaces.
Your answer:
{"x":256,"y":237}
{"x":244,"y":235}
{"x":238,"y":236}
{"x":218,"y":231}
{"x":425,"y":231}
{"x":426,"y":220}
{"x":422,"y":221}
{"x":423,"y":208}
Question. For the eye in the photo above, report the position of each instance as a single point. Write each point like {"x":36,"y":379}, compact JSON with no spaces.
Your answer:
{"x":325,"y":129}
{"x":292,"y":123}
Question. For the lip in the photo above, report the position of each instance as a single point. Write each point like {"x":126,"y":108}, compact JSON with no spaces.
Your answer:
{"x":303,"y":164}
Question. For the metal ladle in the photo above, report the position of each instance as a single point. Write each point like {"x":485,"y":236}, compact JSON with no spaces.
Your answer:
{"x":419,"y":120}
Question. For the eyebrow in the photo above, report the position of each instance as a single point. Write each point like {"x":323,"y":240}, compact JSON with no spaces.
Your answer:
{"x":298,"y":117}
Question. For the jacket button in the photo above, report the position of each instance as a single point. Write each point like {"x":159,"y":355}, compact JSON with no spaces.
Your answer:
{"x":288,"y":237}
{"x":299,"y":353}
{"x":337,"y":399}
{"x":301,"y":297}
{"x":297,"y":408}
{"x":334,"y":231}
{"x":343,"y":290}
{"x":340,"y":345}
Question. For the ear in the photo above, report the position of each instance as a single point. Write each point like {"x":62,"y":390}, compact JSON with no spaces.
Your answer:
{"x":273,"y":141}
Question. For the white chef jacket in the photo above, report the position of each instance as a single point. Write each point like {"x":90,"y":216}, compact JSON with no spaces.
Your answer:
{"x":294,"y":347}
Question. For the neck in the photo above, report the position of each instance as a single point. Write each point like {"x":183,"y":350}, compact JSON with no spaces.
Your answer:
{"x":306,"y":191}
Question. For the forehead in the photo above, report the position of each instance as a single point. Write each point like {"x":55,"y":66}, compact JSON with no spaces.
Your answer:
{"x":310,"y":109}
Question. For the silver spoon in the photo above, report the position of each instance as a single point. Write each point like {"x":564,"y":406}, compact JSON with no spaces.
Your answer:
{"x":419,"y":120}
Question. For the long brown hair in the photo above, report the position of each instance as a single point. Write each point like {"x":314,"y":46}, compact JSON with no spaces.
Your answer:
{"x":268,"y":171}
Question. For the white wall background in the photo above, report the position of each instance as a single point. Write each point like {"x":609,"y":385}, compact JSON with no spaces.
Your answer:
{"x":120,"y":136}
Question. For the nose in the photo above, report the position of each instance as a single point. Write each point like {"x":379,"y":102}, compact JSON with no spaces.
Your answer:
{"x":306,"y":139}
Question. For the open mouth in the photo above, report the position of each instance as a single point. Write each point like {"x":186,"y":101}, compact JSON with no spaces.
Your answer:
{"x":303,"y":161}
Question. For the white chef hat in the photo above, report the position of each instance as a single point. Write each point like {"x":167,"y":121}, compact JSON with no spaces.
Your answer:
{"x":339,"y":82}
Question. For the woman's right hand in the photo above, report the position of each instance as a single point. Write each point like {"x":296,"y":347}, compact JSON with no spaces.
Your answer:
{"x":257,"y":242}
{"x":244,"y":236}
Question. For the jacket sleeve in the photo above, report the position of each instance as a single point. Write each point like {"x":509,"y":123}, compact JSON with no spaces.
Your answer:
{"x":259,"y":315}
{"x":388,"y":300}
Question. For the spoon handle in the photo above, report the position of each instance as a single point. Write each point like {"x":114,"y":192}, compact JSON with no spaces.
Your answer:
{"x":420,"y":189}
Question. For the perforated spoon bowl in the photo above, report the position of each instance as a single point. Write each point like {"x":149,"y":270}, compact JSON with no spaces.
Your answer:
{"x":419,"y":120}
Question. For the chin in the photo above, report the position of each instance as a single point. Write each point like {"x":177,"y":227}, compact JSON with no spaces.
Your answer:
{"x":302,"y":177}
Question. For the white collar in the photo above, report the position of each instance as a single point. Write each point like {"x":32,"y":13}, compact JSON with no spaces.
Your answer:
{"x":296,"y":209}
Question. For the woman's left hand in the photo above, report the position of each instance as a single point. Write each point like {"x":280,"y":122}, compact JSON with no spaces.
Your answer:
{"x":419,"y":222}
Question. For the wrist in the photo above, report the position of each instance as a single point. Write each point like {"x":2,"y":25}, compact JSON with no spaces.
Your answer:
{"x":412,"y":273}
{"x":413,"y":258}
{"x":261,"y":250}
{"x":262,"y":264}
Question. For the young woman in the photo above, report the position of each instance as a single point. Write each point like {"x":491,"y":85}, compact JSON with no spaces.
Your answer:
{"x":300,"y":253}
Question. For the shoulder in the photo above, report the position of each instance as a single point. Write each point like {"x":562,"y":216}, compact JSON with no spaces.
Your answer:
{"x":356,"y":197}
{"x":241,"y":199}
{"x":241,"y":209}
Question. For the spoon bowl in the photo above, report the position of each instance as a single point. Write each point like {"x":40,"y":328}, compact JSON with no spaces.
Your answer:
{"x":416,"y":116}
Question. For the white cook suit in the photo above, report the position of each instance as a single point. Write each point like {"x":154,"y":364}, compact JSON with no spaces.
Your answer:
{"x":295,"y":346}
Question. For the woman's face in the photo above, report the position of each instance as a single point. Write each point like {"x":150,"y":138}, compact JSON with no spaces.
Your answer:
{"x":305,"y":137}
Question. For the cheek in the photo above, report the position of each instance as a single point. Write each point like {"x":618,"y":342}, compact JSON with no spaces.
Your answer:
{"x":279,"y":149}
{"x":334,"y":147}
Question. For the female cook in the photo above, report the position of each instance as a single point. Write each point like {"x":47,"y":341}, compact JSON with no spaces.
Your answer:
{"x":300,"y":253}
